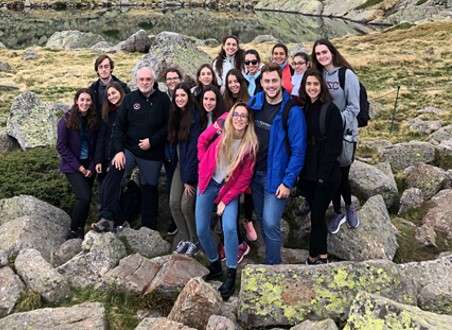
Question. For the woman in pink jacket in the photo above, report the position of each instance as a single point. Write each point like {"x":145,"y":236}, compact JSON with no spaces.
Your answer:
{"x":227,"y":153}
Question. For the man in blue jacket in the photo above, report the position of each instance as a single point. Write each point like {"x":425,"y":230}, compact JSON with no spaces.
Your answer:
{"x":280,"y":156}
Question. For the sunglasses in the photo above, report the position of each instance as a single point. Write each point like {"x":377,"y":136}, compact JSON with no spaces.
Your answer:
{"x":253,"y":62}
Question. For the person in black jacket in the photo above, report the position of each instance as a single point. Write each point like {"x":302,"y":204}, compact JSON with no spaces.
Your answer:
{"x":104,"y":66}
{"x":183,"y":131}
{"x":320,"y":177}
{"x":138,"y":138}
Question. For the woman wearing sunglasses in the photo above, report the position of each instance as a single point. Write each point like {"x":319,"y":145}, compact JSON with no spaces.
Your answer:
{"x":252,"y":72}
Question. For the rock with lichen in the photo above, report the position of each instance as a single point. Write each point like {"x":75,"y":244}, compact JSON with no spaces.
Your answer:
{"x":428,"y":178}
{"x":370,"y":311}
{"x":403,"y":155}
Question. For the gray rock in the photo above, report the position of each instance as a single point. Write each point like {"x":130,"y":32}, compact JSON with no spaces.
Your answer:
{"x":5,"y":67}
{"x":444,"y":133}
{"x":100,"y":253}
{"x":419,"y":126}
{"x":388,"y":314}
{"x":73,"y":39}
{"x":402,"y":155}
{"x":375,"y":145}
{"x":266,"y":38}
{"x":67,"y":251}
{"x":145,"y":241}
{"x":211,"y":42}
{"x":412,"y":198}
{"x":293,"y":256}
{"x":40,"y":276}
{"x":3,"y":258}
{"x":7,"y":143}
{"x":137,"y":42}
{"x":229,"y":308}
{"x":86,"y":316}
{"x":11,"y":288}
{"x":195,"y":304}
{"x":133,"y":274}
{"x":431,"y":110}
{"x":218,"y":322}
{"x":429,"y":179}
{"x":161,"y":323}
{"x":439,"y":216}
{"x":444,"y":154}
{"x":327,"y":324}
{"x":103,"y":46}
{"x":375,"y":238}
{"x":2,"y":45}
{"x":26,"y":205}
{"x":35,"y":232}
{"x":425,"y":235}
{"x":367,"y":181}
{"x":31,"y":122}
{"x":30,"y":54}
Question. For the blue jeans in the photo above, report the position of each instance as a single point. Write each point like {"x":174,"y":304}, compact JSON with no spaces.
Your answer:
{"x":203,"y":215}
{"x":269,"y":211}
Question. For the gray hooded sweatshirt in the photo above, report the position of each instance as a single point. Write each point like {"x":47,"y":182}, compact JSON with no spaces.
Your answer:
{"x":347,"y":99}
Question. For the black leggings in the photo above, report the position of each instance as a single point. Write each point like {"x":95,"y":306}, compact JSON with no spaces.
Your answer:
{"x":81,"y":186}
{"x":344,"y":190}
{"x":319,"y":197}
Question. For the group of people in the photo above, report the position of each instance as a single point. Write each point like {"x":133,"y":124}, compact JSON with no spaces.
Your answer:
{"x":244,"y":129}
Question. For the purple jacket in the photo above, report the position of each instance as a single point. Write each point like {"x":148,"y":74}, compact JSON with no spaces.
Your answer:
{"x":68,"y":146}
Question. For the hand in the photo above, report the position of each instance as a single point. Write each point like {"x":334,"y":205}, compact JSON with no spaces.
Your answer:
{"x":220,"y":208}
{"x":189,"y":190}
{"x":144,"y":144}
{"x":119,"y":161}
{"x":98,"y":168}
{"x":282,"y":192}
{"x":82,"y":170}
{"x":88,"y":173}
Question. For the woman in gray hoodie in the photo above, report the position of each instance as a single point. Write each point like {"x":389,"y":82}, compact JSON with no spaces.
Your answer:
{"x":327,"y":59}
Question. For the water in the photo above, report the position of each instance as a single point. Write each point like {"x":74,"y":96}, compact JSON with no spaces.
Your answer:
{"x":21,"y":29}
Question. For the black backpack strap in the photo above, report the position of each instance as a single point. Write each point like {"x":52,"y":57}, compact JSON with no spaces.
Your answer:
{"x":322,"y":118}
{"x":342,"y":71}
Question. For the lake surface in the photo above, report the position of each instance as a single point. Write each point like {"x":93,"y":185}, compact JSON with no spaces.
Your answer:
{"x":21,"y":29}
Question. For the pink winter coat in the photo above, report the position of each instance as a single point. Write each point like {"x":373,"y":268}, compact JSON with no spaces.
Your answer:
{"x":238,"y":182}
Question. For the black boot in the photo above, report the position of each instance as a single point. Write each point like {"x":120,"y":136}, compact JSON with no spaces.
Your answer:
{"x":228,"y":286}
{"x":215,"y":271}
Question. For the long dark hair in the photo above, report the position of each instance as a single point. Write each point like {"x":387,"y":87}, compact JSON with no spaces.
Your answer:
{"x":107,"y":106}
{"x":324,"y":96}
{"x":229,"y":98}
{"x":180,"y":120}
{"x":338,"y":59}
{"x":219,"y":107}
{"x":198,"y":73}
{"x":238,"y":56}
{"x":74,"y":117}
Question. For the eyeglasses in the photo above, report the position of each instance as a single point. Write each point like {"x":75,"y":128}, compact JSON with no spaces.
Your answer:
{"x":239,"y":115}
{"x":253,"y":62}
{"x":106,"y":66}
{"x":299,"y":63}
{"x":172,"y":79}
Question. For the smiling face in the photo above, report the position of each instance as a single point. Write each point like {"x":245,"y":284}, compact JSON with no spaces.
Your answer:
{"x":271,"y":84}
{"x":83,"y":103}
{"x":240,"y":119}
{"x":233,"y":84}
{"x":205,"y":76}
{"x":104,"y":69}
{"x":172,"y":79}
{"x":323,"y":56}
{"x":300,"y":65}
{"x":180,"y":98}
{"x":313,"y":88}
{"x":230,"y":46}
{"x":113,"y":96}
{"x":209,"y":101}
{"x":251,"y":63}
{"x":279,"y":56}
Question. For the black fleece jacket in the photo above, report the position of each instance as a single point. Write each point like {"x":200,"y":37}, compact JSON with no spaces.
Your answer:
{"x":322,"y":151}
{"x":98,"y":101}
{"x":141,"y":117}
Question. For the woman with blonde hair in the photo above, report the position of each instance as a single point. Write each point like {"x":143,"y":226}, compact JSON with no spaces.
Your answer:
{"x":227,"y":154}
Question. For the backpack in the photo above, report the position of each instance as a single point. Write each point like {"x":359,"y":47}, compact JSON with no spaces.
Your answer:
{"x":363,"y":115}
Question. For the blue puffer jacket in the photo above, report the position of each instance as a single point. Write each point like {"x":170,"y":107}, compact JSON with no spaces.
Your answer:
{"x":188,"y":149}
{"x":282,"y":167}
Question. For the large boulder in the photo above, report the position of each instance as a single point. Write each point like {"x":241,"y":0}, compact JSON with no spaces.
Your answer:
{"x":100,"y":253}
{"x":40,"y":276}
{"x":35,"y":232}
{"x":137,"y":42}
{"x":11,"y":288}
{"x":375,"y":238}
{"x":195,"y":304}
{"x":161,"y":323}
{"x":31,"y":122}
{"x":218,"y":322}
{"x":439,"y":216}
{"x":174,"y":49}
{"x":133,"y":274}
{"x":367,"y":181}
{"x":411,"y":198}
{"x":403,"y":155}
{"x":370,"y":311}
{"x":86,"y":316}
{"x":285,"y":295}
{"x":7,"y":143}
{"x":73,"y":39}
{"x":26,"y":205}
{"x":327,"y":324}
{"x":428,"y":178}
{"x":144,"y":241}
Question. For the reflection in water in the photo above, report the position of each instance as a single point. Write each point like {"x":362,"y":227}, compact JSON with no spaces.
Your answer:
{"x":34,"y":27}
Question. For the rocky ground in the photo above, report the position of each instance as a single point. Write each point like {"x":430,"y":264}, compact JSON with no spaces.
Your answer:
{"x":394,"y":271}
